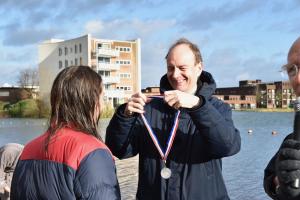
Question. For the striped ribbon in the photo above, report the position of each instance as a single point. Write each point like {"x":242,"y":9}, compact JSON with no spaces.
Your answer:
{"x":170,"y":141}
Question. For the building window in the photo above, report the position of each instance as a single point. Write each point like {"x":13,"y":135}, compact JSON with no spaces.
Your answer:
{"x":60,"y":64}
{"x":125,"y":88}
{"x":4,"y":94}
{"x":72,"y":62}
{"x":103,"y":46}
{"x":76,"y":62}
{"x":125,"y":75}
{"x":59,"y":52}
{"x":104,"y":73}
{"x":75,"y":48}
{"x":80,"y":61}
{"x":66,"y":63}
{"x":80,"y":48}
{"x":103,"y":60}
{"x":123,"y":49}
{"x":66,"y":51}
{"x":123,"y":62}
{"x":71,"y":49}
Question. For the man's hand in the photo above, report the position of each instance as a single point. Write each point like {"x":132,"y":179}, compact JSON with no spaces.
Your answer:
{"x":177,"y":99}
{"x":136,"y":103}
{"x":288,"y":168}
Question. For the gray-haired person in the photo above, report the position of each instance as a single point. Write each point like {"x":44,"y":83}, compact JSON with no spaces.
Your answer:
{"x":9,"y":156}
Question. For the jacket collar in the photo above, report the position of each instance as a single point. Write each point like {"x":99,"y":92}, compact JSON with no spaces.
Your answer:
{"x":206,"y":85}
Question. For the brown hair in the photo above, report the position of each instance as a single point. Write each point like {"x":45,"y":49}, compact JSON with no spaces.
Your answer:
{"x":192,"y":46}
{"x":75,"y":99}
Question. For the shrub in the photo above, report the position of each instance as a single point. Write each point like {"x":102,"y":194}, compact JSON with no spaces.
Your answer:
{"x":107,"y":111}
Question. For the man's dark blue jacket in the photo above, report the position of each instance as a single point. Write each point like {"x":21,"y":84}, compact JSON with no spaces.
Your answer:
{"x":205,"y":135}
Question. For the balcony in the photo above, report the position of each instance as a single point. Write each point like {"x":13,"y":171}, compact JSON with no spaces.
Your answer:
{"x":108,"y":66}
{"x":110,"y":79}
{"x":114,"y":93}
{"x":108,"y":52}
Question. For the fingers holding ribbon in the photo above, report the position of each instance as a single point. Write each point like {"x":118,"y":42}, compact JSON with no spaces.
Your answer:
{"x":172,"y":99}
{"x":136,"y":104}
{"x":178,"y":99}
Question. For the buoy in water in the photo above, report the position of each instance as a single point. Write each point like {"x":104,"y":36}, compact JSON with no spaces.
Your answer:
{"x":250,"y":131}
{"x":274,"y":132}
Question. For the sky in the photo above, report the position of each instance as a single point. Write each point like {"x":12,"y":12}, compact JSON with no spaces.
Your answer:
{"x":238,"y":40}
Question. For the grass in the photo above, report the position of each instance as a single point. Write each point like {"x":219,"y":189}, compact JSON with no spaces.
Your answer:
{"x":31,"y":108}
{"x":25,"y":108}
{"x":3,"y":112}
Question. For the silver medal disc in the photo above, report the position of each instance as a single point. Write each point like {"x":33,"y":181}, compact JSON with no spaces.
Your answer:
{"x":165,"y":173}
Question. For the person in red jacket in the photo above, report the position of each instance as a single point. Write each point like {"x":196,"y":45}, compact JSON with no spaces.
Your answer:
{"x":70,"y":160}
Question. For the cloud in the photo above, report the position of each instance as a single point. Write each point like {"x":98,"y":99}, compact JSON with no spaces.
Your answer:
{"x":94,"y":27}
{"x":38,"y":17}
{"x":228,"y":66}
{"x":22,"y":5}
{"x":127,"y":29}
{"x":19,"y":57}
{"x":27,"y":36}
{"x":9,"y":73}
{"x":224,"y":58}
{"x":284,"y":6}
{"x":204,"y":18}
{"x":242,"y":76}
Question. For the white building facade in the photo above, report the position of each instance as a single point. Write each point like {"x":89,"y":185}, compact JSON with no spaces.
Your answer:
{"x":118,"y":62}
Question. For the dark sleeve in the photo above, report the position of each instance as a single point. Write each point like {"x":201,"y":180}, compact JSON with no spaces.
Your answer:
{"x":221,"y":134}
{"x":121,"y":134}
{"x":270,"y":174}
{"x":96,"y":177}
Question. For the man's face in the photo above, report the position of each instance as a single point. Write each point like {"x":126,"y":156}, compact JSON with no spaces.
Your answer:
{"x":182,"y":72}
{"x":294,"y":58}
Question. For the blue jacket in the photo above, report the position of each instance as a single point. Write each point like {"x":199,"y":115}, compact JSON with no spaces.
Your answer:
{"x":205,"y":135}
{"x":77,"y":166}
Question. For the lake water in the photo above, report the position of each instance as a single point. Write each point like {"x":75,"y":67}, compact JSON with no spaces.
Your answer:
{"x":243,"y":172}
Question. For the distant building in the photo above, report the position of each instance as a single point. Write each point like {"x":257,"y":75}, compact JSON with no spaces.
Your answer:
{"x":284,"y":94}
{"x":238,"y":97}
{"x":118,"y":62}
{"x":150,"y":91}
{"x":256,"y":94}
{"x":13,"y":94}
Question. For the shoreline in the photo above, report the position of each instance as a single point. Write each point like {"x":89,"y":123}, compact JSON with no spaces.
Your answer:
{"x":265,"y":110}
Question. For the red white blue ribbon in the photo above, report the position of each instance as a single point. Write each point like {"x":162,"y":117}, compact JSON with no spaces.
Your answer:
{"x":156,"y":96}
{"x":171,"y":138}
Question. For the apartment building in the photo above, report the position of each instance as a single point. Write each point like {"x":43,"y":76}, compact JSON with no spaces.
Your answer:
{"x":118,"y":62}
{"x":255,"y":94}
{"x":238,"y":97}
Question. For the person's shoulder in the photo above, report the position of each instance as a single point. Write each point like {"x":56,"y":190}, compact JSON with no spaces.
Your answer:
{"x":289,"y":136}
{"x":12,"y":147}
{"x":219,"y":103}
{"x":82,"y":140}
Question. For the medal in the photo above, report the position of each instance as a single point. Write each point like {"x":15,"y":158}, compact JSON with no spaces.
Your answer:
{"x":165,"y":171}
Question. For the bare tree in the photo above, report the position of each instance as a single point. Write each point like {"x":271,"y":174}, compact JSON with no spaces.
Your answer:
{"x":28,"y":79}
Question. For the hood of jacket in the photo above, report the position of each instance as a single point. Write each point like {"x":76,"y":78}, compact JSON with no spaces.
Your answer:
{"x":206,"y":85}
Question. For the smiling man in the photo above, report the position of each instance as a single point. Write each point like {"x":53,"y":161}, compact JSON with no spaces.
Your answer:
{"x":180,"y":137}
